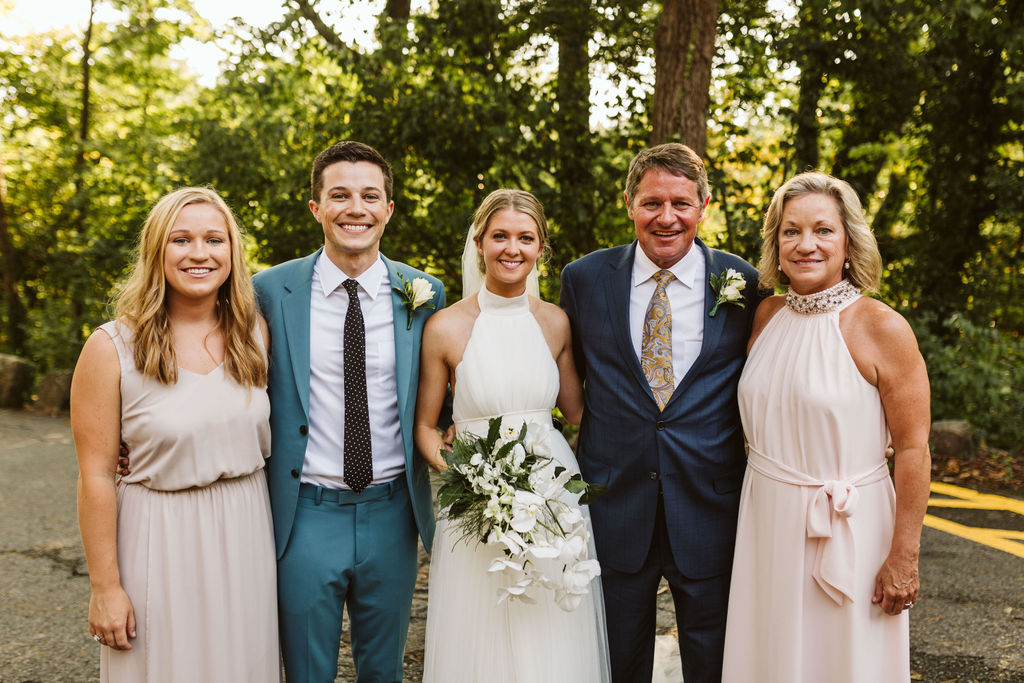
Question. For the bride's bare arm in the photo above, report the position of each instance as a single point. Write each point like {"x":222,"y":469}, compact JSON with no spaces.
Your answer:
{"x":434,"y":373}
{"x":570,"y":389}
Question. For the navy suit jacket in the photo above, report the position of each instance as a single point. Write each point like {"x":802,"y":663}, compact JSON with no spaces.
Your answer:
{"x":693,"y":450}
{"x":283,"y":293}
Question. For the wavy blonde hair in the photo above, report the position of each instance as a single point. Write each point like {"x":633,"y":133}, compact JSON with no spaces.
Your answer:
{"x":141,"y":300}
{"x":865,"y":270}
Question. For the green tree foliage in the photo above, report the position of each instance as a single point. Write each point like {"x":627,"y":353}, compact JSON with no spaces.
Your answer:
{"x":976,"y":373}
{"x":74,"y":203}
{"x":918,"y":103}
{"x":462,"y":100}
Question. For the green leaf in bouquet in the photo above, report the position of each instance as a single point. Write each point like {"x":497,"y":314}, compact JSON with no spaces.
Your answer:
{"x":446,"y":498}
{"x":576,"y":485}
{"x":505,"y":449}
{"x":493,"y":431}
{"x":460,"y":454}
{"x":458,"y":508}
{"x":593,"y":492}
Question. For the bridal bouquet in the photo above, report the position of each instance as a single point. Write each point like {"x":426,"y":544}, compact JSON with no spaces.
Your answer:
{"x":505,"y":490}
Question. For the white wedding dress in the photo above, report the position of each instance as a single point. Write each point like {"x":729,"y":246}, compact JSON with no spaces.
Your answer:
{"x":506,"y":370}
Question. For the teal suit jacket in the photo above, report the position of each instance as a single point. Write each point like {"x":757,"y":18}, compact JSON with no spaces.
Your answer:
{"x":283,"y":293}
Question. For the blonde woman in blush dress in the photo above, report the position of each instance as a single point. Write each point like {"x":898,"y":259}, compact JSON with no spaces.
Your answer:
{"x":504,"y":352}
{"x":827,"y":547}
{"x":180,"y":551}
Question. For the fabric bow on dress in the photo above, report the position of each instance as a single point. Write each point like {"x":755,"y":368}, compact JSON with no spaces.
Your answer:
{"x":829,"y":520}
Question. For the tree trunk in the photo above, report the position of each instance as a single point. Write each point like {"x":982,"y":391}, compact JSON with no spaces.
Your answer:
{"x":572,"y":25}
{"x":964,"y":134}
{"x":805,"y":138}
{"x":392,"y":28}
{"x":398,"y":10}
{"x":15,"y":309}
{"x":81,"y":191}
{"x":684,"y":45}
{"x":814,"y":51}
{"x":83,"y":125}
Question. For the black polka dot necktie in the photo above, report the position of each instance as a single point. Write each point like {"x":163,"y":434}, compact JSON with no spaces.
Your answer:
{"x":358,"y":454}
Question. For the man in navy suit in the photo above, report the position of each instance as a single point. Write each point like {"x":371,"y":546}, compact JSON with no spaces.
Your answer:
{"x":674,"y":472}
{"x":344,"y":369}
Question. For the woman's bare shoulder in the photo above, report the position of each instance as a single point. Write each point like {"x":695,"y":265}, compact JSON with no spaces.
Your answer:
{"x":877,"y":321}
{"x":547,"y":312}
{"x":768,"y":308}
{"x":454,"y":316}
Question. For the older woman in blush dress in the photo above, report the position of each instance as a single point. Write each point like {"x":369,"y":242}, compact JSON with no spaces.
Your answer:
{"x":827,"y":548}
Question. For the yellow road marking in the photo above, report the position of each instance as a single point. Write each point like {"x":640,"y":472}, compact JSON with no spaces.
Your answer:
{"x":973,"y":499}
{"x":962,"y":498}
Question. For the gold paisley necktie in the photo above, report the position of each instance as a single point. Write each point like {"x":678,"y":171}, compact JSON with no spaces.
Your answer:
{"x":656,"y":344}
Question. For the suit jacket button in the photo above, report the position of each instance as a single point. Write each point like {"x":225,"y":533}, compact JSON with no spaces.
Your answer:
{"x":653,"y":475}
{"x":295,"y":474}
{"x":661,"y":426}
{"x":303,"y":430}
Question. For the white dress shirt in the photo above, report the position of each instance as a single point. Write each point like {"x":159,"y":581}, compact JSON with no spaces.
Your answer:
{"x":686,"y":297}
{"x":328,"y":304}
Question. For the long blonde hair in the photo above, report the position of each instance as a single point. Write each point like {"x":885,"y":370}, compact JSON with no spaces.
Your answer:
{"x":141,"y":300}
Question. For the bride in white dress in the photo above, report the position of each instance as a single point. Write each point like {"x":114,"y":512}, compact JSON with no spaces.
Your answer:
{"x":504,"y":352}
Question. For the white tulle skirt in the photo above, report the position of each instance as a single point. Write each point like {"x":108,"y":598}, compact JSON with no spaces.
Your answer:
{"x":471,"y":638}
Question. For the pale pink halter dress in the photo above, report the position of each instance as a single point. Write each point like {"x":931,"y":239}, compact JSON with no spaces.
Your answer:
{"x":816,"y":512}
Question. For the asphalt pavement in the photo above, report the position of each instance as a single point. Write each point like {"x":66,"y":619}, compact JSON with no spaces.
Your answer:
{"x":968,"y":624}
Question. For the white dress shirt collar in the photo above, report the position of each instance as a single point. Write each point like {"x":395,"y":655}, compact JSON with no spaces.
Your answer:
{"x":685,"y":269}
{"x":331,"y":276}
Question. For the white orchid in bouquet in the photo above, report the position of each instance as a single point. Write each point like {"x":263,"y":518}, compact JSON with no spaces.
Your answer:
{"x":507,"y":491}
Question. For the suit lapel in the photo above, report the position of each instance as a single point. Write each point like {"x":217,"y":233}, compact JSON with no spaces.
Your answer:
{"x":404,"y":347}
{"x":712,"y":325}
{"x":618,"y":289}
{"x":295,"y":314}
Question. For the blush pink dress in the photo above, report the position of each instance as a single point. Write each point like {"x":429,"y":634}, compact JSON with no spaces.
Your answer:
{"x":816,"y":511}
{"x":195,"y":544}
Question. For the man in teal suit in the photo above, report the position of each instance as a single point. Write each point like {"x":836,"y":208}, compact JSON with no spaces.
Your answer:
{"x":348,"y":494}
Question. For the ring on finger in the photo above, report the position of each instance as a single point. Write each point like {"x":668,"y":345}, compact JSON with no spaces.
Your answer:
{"x":908,"y":605}
{"x":97,"y":637}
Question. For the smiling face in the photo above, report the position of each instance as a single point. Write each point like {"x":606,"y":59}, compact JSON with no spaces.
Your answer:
{"x":353,"y":210}
{"x":510,"y":248}
{"x":665,"y":213}
{"x":812,"y":243}
{"x":197,"y":255}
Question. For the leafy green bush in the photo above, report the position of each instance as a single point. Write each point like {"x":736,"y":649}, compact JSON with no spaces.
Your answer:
{"x":977,"y":374}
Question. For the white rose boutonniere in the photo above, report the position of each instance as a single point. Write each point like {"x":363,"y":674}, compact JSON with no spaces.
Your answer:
{"x":728,"y":288}
{"x":416,"y":294}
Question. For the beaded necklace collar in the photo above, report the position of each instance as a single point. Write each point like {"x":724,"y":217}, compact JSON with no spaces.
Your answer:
{"x":825,"y":301}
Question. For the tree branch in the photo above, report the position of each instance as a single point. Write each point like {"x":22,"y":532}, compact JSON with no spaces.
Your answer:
{"x":326,"y":32}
